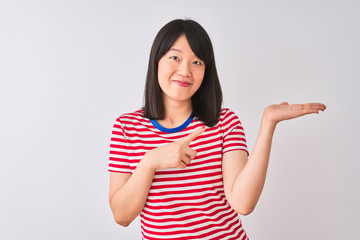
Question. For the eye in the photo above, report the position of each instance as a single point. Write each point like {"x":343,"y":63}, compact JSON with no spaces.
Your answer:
{"x":197,"y":63}
{"x":175,"y":58}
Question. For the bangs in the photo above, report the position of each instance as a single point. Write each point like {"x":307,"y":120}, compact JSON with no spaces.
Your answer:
{"x":195,"y":34}
{"x":199,"y":42}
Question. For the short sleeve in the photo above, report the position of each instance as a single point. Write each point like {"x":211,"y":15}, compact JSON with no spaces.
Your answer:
{"x":234,"y":135}
{"x":118,"y":154}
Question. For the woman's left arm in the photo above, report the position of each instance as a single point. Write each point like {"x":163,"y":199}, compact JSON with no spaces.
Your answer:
{"x":244,"y":178}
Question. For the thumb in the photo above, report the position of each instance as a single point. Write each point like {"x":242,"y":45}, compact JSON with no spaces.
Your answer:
{"x":189,"y":138}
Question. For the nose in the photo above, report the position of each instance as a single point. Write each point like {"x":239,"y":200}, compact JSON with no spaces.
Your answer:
{"x":184,"y":69}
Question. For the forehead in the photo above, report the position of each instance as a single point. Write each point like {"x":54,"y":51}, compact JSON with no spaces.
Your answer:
{"x":181,"y":45}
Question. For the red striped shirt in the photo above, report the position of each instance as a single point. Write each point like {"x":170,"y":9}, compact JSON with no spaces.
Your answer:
{"x":182,"y":203}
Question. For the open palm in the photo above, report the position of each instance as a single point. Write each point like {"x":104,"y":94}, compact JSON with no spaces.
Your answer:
{"x":284,"y":111}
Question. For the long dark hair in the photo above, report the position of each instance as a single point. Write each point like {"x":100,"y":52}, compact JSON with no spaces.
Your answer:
{"x":207,"y":100}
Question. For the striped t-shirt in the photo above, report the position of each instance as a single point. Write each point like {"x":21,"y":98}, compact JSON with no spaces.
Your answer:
{"x":185,"y":203}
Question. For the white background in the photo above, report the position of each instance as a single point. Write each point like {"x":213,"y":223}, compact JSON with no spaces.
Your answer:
{"x":69,"y":68}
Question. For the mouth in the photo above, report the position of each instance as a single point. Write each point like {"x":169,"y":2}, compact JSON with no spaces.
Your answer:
{"x":182,"y":83}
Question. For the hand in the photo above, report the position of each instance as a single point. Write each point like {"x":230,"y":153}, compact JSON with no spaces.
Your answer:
{"x":177,"y":154}
{"x":279,"y":112}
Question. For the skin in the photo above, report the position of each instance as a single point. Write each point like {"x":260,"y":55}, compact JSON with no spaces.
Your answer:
{"x":179,"y":64}
{"x":243,"y":178}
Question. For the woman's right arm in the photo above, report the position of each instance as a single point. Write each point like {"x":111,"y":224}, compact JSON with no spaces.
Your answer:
{"x":128,"y":192}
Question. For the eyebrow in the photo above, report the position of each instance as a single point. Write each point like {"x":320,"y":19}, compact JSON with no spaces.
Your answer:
{"x":175,"y":49}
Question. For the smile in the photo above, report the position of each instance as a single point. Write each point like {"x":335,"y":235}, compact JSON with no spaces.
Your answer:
{"x":182,"y":83}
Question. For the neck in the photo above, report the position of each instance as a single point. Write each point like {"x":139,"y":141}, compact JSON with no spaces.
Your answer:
{"x":176,"y":113}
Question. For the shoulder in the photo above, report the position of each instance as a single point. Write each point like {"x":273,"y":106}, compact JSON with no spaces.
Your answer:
{"x":227,"y":114}
{"x":229,"y":119}
{"x":131,"y":116}
{"x":133,"y":120}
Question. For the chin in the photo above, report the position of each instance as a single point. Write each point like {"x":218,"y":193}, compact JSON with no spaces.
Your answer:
{"x":181,"y":98}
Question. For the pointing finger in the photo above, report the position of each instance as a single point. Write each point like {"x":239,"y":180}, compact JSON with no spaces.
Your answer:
{"x":189,"y":138}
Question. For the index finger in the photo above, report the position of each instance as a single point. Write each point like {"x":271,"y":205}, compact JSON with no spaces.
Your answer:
{"x":189,"y":138}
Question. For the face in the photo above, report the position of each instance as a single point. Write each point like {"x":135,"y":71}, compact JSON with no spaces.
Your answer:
{"x":180,"y":72}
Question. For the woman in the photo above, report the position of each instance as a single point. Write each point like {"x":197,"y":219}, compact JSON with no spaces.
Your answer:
{"x":181,"y":162}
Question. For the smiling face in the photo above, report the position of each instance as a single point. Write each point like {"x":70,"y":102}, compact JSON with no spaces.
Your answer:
{"x":180,"y":72}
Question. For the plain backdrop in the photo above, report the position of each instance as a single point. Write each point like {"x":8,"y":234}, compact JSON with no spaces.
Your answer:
{"x":68,"y":69}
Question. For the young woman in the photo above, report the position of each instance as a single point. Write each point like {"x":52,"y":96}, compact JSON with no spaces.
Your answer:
{"x":181,"y":162}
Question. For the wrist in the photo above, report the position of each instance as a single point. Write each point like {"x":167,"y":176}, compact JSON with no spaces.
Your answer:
{"x":146,"y":162}
{"x":268,"y":123}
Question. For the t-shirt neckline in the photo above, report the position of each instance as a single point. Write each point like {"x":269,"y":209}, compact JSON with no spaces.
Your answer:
{"x":172,"y":130}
